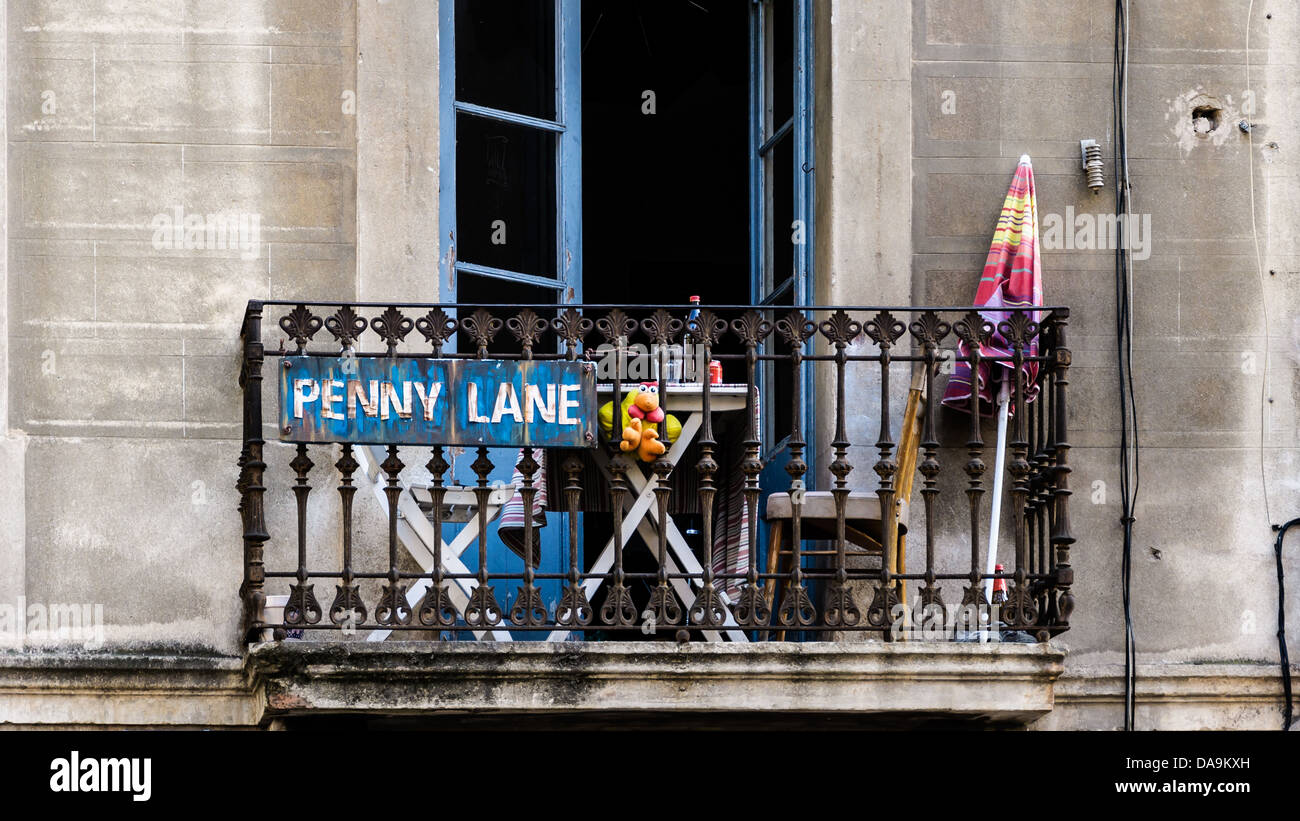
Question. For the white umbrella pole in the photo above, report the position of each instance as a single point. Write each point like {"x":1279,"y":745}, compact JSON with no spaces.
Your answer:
{"x":990,"y":565}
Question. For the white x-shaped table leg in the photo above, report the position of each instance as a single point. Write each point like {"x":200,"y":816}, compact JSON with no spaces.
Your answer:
{"x":415,"y":532}
{"x":641,"y":518}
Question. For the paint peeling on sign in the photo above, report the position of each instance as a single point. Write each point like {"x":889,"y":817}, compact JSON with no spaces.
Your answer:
{"x":382,"y":400}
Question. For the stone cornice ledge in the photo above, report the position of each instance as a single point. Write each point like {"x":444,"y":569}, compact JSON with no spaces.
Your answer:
{"x":1243,"y":695}
{"x":1007,"y":683}
{"x":126,"y":689}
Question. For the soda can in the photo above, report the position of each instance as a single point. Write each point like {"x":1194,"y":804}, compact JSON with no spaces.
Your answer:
{"x":715,"y":372}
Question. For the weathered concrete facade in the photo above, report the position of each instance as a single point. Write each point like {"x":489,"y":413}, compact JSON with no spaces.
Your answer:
{"x":985,"y":82}
{"x":321,"y":119}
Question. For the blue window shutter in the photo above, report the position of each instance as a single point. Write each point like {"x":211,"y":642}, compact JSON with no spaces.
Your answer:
{"x":567,"y":127}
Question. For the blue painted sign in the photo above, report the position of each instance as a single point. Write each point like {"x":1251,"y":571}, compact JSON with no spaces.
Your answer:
{"x":383,"y":400}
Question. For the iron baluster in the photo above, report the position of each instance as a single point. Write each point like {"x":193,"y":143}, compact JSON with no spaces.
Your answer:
{"x":347,"y":609}
{"x":885,"y":330}
{"x":393,"y":607}
{"x":1062,"y":536}
{"x":346,"y":325}
{"x":1020,"y":611}
{"x":482,"y":609}
{"x":708,"y":608}
{"x":974,"y":331}
{"x":1047,"y":563}
{"x":1041,"y":495}
{"x":619,"y":609}
{"x":662,"y":327}
{"x":931,"y":330}
{"x":796,"y":608}
{"x":574,"y":608}
{"x":436,"y":609}
{"x":528,"y":608}
{"x":752,"y":328}
{"x":302,"y":607}
{"x":252,"y":469}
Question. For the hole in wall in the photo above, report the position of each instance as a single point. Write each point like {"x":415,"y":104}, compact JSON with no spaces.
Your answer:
{"x":1206,"y":118}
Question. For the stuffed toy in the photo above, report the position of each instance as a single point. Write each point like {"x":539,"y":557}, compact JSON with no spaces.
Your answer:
{"x":640,"y":421}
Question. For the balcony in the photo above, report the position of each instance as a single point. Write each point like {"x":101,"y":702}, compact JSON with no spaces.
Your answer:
{"x":513,"y":493}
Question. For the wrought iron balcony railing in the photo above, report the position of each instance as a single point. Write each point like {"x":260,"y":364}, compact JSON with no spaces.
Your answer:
{"x":774,"y":360}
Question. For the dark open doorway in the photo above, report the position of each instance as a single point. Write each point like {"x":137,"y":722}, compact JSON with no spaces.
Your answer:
{"x":665,"y":95}
{"x":665,"y":200}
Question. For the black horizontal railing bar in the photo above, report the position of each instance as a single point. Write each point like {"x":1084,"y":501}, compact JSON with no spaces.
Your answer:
{"x":858,"y":573}
{"x":728,"y":357}
{"x":666,"y":631}
{"x":606,"y":306}
{"x":763,"y":602}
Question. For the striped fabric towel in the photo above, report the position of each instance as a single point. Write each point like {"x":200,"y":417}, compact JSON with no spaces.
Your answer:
{"x":731,"y":527}
{"x":510,"y":526}
{"x":1013,"y":278}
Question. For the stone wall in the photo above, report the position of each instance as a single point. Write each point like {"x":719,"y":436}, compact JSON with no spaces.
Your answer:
{"x":125,"y":118}
{"x":988,"y":81}
{"x":118,"y":346}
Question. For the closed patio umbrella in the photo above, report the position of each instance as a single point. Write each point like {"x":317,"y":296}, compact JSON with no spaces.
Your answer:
{"x":1012,"y":278}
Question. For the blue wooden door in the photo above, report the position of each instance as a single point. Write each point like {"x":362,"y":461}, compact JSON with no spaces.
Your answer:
{"x":781,"y":216}
{"x":510,"y":225}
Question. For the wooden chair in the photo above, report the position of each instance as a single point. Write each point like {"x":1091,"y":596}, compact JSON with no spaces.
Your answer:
{"x":863,"y":534}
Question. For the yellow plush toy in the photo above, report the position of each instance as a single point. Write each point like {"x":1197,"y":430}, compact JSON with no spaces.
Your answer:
{"x":639,"y":423}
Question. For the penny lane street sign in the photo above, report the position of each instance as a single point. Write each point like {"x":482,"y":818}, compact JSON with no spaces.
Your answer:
{"x":381,"y":400}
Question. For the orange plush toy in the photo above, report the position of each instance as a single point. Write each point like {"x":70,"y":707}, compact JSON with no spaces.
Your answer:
{"x":640,"y":420}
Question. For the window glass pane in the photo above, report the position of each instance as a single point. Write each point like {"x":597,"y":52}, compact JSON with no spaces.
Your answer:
{"x":782,"y":68}
{"x":480,"y":290}
{"x":782,"y":210}
{"x":505,"y":195}
{"x":783,"y":380}
{"x":505,"y":55}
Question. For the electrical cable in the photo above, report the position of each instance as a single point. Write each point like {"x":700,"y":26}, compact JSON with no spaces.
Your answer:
{"x":1130,"y":473}
{"x":1263,"y":295}
{"x":1263,"y":409}
{"x":1281,"y":624}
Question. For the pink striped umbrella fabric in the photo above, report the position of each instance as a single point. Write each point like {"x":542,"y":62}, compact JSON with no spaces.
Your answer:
{"x":1013,"y":278}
